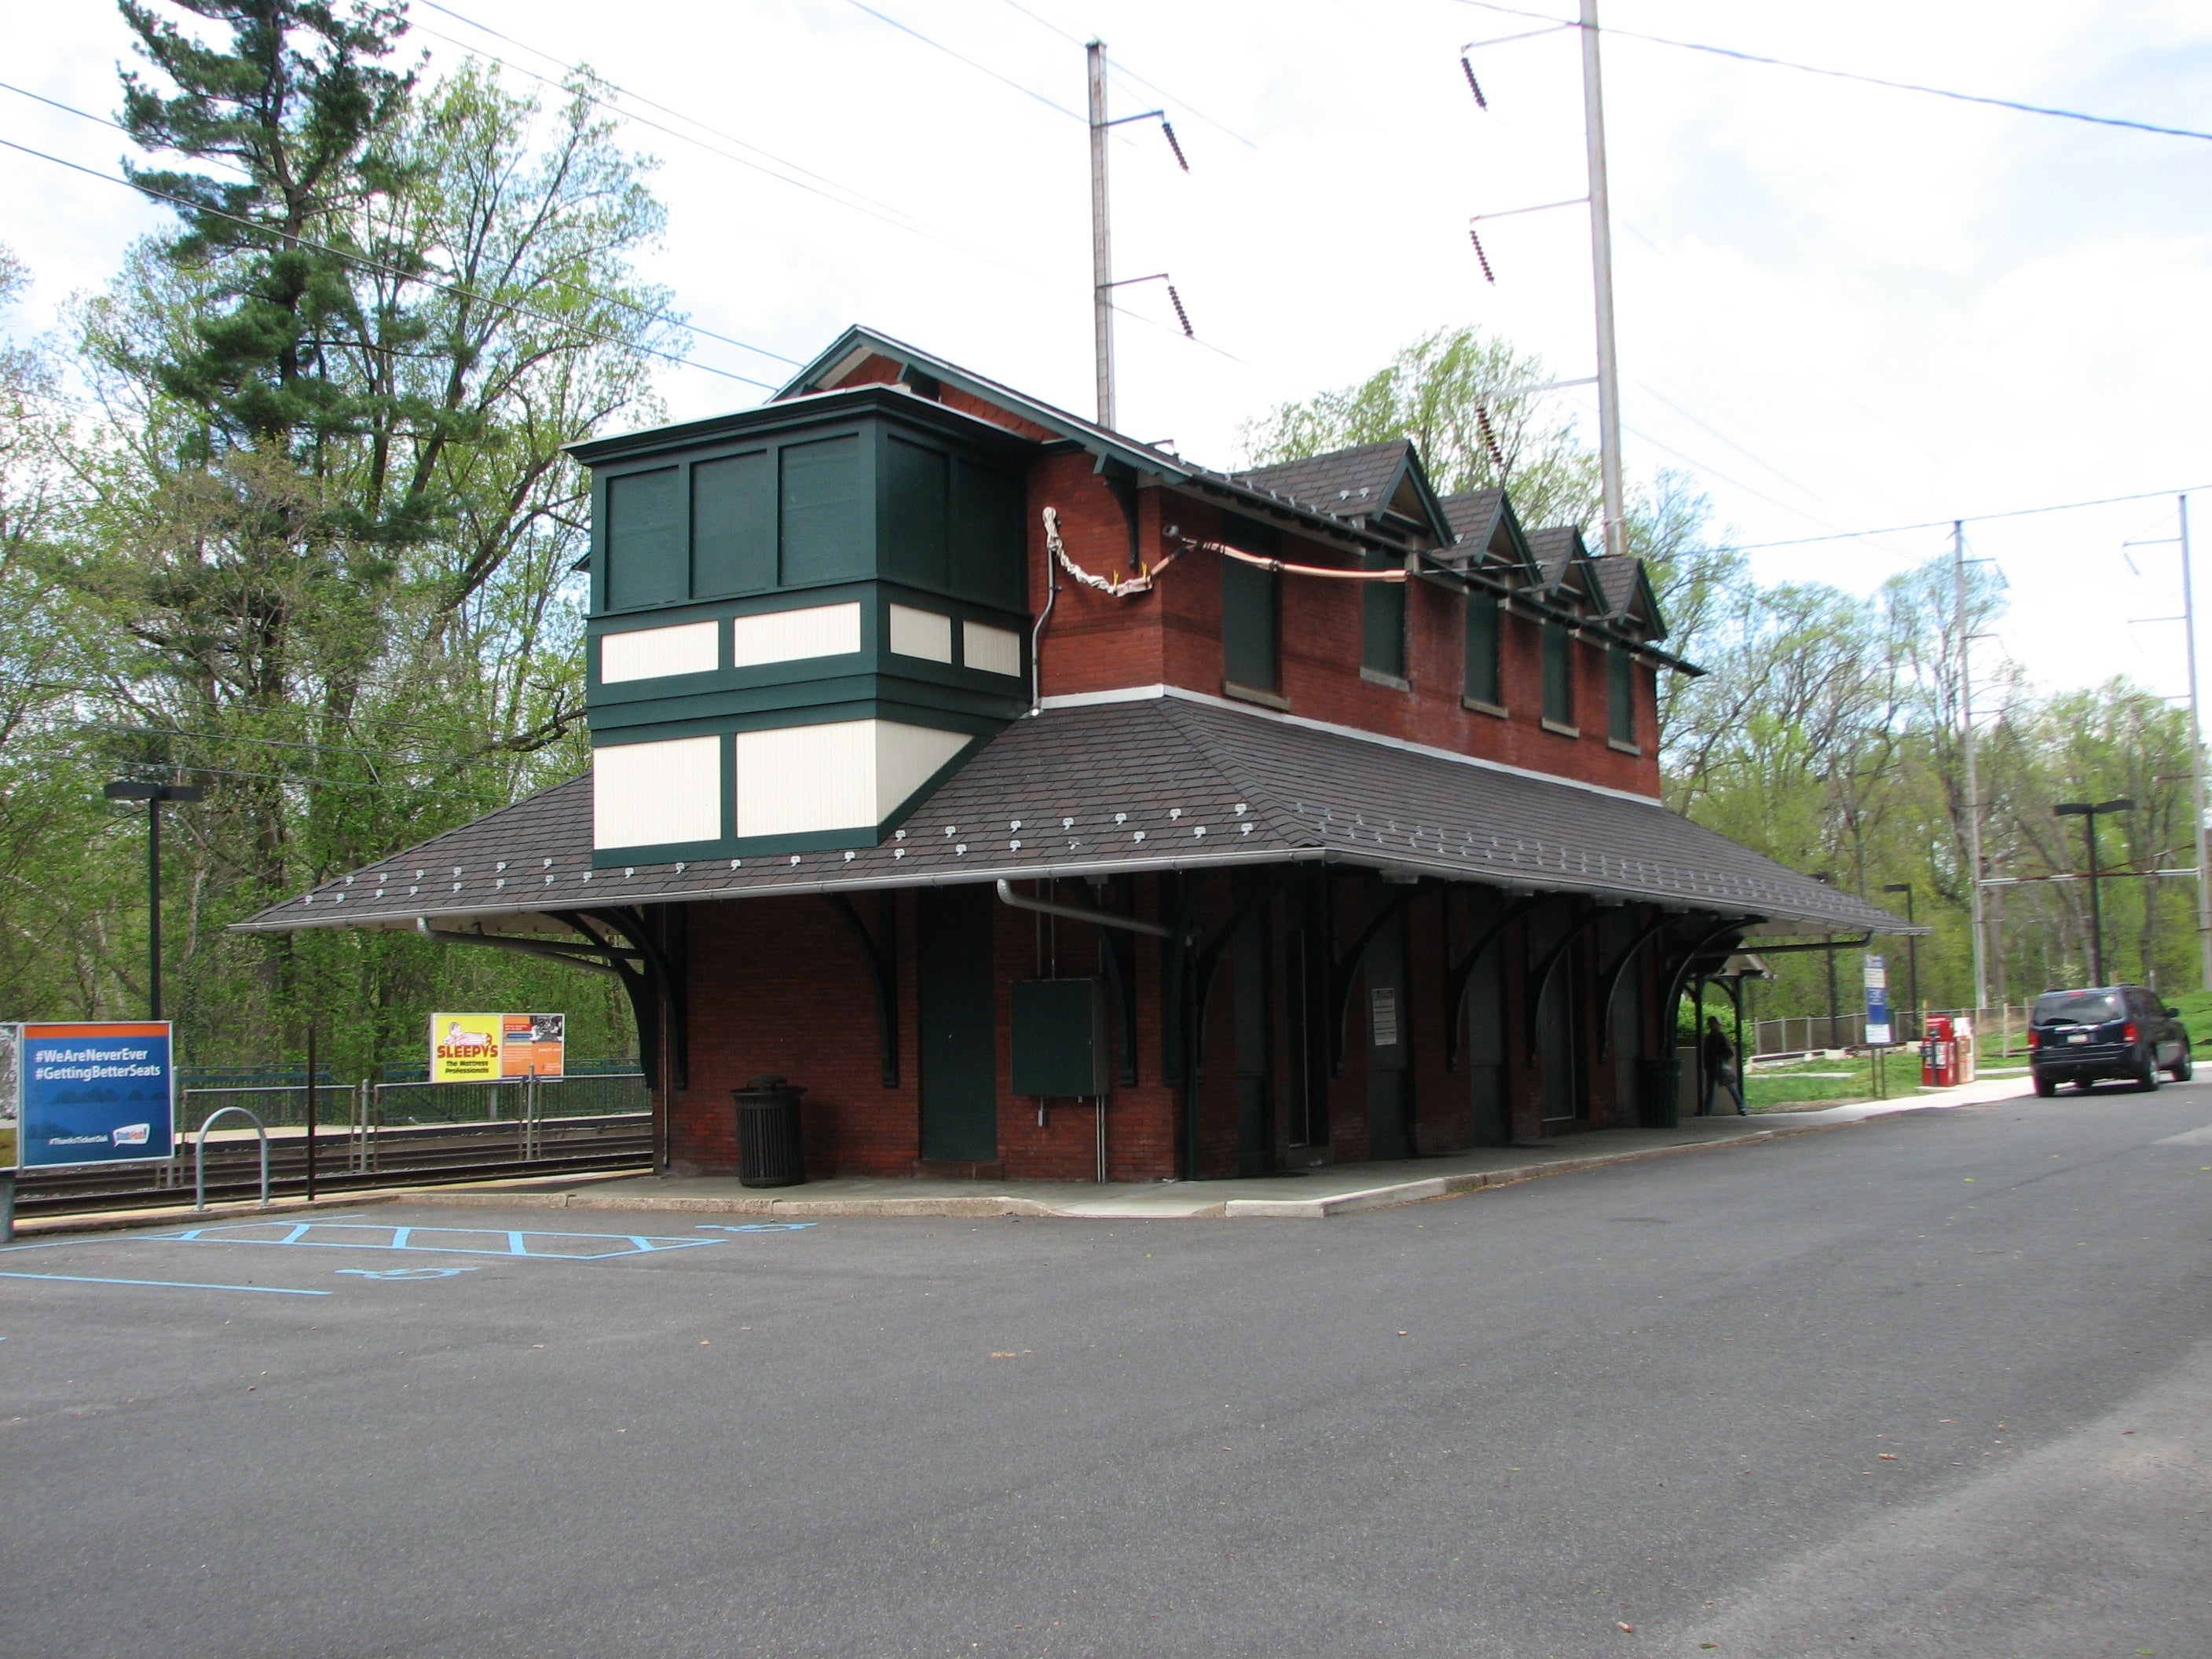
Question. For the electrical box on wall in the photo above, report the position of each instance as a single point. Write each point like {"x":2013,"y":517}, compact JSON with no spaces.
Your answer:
{"x":1059,"y":1041}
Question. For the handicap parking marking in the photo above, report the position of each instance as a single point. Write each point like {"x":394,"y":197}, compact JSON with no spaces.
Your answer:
{"x":166,"y":1284}
{"x":521,"y":1244}
{"x":758,"y":1227}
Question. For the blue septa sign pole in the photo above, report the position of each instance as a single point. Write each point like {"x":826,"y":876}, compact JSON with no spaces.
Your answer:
{"x":1877,"y":1001}
{"x":94,"y":1093}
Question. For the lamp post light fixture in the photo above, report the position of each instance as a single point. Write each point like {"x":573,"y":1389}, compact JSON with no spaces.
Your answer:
{"x":154,"y":794}
{"x":1912,"y":950}
{"x":2087,"y":811}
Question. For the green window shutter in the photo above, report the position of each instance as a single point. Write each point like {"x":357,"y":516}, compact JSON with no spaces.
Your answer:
{"x":988,"y":536}
{"x":917,"y":491}
{"x":1382,"y":620}
{"x":1558,"y":673}
{"x":733,"y":525}
{"x":825,"y":513}
{"x":1251,"y":627}
{"x":1482,"y":646}
{"x":1620,"y":701}
{"x":648,"y":561}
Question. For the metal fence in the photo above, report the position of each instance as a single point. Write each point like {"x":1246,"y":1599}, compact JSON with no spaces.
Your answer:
{"x":285,"y":1104}
{"x":1998,"y":1031}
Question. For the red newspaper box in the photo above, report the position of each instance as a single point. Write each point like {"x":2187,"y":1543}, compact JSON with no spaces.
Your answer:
{"x":1939,"y":1053}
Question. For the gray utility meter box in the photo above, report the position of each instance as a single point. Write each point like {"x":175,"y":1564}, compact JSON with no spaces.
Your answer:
{"x":1060,"y":1038}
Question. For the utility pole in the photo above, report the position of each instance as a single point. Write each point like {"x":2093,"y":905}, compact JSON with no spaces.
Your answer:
{"x":1966,"y":746}
{"x":1608,"y":368}
{"x":1102,"y":261}
{"x":2196,"y":762}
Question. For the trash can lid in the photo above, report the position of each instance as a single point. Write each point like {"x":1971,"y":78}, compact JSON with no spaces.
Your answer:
{"x":765,"y":1083}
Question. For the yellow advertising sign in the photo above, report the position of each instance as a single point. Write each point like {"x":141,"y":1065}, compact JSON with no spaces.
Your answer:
{"x":465,"y":1048}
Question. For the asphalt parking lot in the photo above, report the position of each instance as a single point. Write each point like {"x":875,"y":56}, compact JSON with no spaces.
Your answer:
{"x":1938,"y":1384}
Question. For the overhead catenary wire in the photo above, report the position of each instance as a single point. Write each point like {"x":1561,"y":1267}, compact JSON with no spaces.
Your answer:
{"x":1956,"y":97}
{"x":836,"y":193}
{"x":1121,"y":72}
{"x":1972,"y":517}
{"x":377,"y":267}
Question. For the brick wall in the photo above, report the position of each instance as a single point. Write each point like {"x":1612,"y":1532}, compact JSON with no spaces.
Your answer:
{"x":1173,"y":635}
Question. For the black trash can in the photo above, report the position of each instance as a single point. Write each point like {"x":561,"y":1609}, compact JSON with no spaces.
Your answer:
{"x":769,"y":1153}
{"x":1659,"y":1093}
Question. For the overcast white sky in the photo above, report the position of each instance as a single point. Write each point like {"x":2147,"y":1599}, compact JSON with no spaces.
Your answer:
{"x":1841,"y":306}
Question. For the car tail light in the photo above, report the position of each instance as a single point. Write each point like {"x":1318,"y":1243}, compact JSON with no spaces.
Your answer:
{"x":2127,"y":1033}
{"x":2034,"y":1039}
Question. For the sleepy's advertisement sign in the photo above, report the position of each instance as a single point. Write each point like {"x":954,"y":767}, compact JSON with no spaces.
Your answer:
{"x":89,"y":1093}
{"x":465,"y":1048}
{"x":488,"y":1047}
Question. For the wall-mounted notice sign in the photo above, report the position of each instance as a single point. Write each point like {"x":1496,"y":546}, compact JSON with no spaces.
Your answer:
{"x":91,"y":1093}
{"x":487,"y":1048}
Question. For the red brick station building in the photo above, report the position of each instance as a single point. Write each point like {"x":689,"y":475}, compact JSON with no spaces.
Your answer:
{"x":1051,"y":807}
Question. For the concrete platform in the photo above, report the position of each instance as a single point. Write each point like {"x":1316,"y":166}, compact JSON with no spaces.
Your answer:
{"x":1334,"y":1189}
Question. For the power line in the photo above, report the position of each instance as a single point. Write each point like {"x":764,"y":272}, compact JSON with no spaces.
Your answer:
{"x":872,"y":207}
{"x":379,"y":269}
{"x":861,"y":202}
{"x":1119,"y":73}
{"x":1846,"y":75}
{"x":1971,"y":517}
{"x":980,"y":69}
{"x":571,"y":288}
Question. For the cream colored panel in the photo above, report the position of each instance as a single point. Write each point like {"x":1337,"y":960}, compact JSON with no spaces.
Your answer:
{"x":646,"y":653}
{"x":921,"y":633}
{"x":908,"y":756}
{"x":648,"y":794}
{"x":993,"y":650}
{"x":821,"y":630}
{"x":793,"y":780}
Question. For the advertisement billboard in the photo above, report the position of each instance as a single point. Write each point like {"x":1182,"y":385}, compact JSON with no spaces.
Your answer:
{"x":488,"y":1047}
{"x":94,"y":1093}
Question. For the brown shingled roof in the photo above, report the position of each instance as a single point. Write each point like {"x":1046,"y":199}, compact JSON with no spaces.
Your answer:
{"x":1165,"y":782}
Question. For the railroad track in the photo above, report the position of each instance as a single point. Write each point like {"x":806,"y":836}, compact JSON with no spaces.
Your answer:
{"x":413,"y":1155}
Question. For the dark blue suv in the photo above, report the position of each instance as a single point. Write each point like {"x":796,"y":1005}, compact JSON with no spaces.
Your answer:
{"x":2120,"y":1031}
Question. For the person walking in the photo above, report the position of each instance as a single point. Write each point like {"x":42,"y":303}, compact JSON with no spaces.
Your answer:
{"x":1720,"y":1070}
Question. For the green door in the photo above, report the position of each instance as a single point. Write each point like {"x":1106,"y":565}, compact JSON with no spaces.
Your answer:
{"x":959,"y":1046}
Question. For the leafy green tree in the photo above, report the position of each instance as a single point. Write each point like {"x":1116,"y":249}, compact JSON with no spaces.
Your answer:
{"x":318,"y":545}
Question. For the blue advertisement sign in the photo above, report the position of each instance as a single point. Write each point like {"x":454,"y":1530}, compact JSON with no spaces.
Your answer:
{"x":1877,"y":1000}
{"x":95,"y":1094}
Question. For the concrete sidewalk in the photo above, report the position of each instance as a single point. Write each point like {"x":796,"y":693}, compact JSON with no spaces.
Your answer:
{"x":1334,"y":1189}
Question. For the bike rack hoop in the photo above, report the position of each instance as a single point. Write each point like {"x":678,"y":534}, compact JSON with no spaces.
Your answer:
{"x":199,"y":1154}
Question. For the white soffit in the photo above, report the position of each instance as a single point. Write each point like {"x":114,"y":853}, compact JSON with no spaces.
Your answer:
{"x":653,"y":794}
{"x":993,"y":650}
{"x":646,"y":654}
{"x":821,"y":630}
{"x":924,"y":634}
{"x":842,"y":775}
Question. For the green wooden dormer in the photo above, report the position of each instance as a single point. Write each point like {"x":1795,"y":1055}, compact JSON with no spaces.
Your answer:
{"x":802,"y":616}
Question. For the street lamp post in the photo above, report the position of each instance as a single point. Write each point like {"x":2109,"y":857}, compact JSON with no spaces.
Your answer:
{"x":2087,"y":813}
{"x":154,"y":794}
{"x":1912,"y":950}
{"x":1827,"y":878}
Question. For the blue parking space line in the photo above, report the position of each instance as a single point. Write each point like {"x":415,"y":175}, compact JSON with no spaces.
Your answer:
{"x":167,"y":1284}
{"x":446,"y":1241}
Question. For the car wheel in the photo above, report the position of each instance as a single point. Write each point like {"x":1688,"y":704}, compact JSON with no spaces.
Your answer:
{"x":2147,"y":1077}
{"x":2184,"y":1068}
{"x":2046,"y":1087}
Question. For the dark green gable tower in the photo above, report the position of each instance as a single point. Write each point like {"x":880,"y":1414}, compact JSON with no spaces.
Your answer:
{"x":802,"y":616}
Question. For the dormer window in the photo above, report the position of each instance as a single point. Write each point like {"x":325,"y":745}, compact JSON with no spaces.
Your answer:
{"x":1383,"y":623}
{"x":1559,"y":676}
{"x":1251,"y":613}
{"x":1482,"y":681}
{"x":1620,"y":697}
